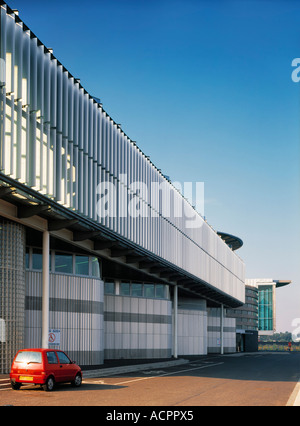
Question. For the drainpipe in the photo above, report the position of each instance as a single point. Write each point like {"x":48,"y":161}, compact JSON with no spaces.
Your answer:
{"x":175,"y":349}
{"x":222,"y":329}
{"x":46,"y":292}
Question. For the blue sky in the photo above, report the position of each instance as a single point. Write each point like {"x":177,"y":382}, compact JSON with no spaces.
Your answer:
{"x":205,"y":89}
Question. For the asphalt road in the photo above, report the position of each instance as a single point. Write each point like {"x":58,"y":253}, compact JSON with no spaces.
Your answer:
{"x":249,"y":380}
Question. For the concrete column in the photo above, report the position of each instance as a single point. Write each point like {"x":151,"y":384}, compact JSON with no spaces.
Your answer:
{"x":175,"y":302}
{"x":46,"y":292}
{"x":222,"y":329}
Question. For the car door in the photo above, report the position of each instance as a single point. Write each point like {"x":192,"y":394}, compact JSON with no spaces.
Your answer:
{"x":53,"y":366}
{"x":67,"y":369}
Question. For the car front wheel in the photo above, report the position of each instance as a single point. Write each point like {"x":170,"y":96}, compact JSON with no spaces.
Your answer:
{"x":49,"y":385}
{"x":77,"y":381}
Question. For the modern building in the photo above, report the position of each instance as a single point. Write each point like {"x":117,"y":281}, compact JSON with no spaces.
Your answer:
{"x":266,"y":288}
{"x":257,"y":317}
{"x":100,"y":255}
{"x":247,"y":322}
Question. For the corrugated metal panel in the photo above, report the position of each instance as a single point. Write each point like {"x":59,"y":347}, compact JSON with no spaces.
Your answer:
{"x":67,"y":144}
{"x":137,"y":327}
{"x":76,"y":308}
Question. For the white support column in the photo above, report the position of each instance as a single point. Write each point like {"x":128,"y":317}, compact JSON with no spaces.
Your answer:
{"x":117,"y":287}
{"x":175,"y":339}
{"x":222,"y":329}
{"x":45,"y":294}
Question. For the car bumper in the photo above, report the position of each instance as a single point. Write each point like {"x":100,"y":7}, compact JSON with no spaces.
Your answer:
{"x":28,"y":378}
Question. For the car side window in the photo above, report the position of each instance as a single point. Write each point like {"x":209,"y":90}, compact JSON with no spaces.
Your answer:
{"x":51,"y":358}
{"x":63,"y":359}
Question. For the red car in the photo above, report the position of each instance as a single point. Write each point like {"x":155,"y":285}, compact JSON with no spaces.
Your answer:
{"x":44,"y":367}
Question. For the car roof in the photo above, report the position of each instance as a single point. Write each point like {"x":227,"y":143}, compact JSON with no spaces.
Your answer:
{"x":37,"y":350}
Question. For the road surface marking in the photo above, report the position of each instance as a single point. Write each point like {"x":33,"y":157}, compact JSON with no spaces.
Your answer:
{"x":168,"y":374}
{"x":294,"y":399}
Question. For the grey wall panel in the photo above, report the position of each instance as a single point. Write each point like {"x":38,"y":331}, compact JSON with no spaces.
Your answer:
{"x":213,"y":332}
{"x":137,"y":327}
{"x":76,"y":309}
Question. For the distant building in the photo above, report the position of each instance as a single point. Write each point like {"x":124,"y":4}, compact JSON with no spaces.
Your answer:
{"x":257,"y":317}
{"x":266,"y":303}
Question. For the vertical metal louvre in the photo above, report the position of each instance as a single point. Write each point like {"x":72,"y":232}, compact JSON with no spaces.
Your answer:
{"x":57,"y":139}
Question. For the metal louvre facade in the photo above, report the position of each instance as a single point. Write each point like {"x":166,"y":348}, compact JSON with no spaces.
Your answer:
{"x":59,"y":141}
{"x":76,"y":308}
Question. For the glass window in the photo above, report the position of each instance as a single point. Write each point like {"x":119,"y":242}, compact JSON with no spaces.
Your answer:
{"x":109,"y":288}
{"x":149,"y":290}
{"x":63,"y":263}
{"x":63,"y":359}
{"x":160,"y":291}
{"x":81,"y":265}
{"x":95,"y":267}
{"x":37,"y":260}
{"x":125,"y":289}
{"x":27,"y":258}
{"x":51,"y":357}
{"x":136,"y":290}
{"x":29,"y":357}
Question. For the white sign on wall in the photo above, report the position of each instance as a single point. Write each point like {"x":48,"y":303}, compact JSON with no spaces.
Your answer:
{"x":54,"y":337}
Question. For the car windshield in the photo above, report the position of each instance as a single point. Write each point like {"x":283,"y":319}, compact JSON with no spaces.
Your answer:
{"x":29,"y":357}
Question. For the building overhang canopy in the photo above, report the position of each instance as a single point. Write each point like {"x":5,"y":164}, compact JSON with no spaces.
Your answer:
{"x":232,"y":241}
{"x":101,"y":241}
{"x":282,"y":283}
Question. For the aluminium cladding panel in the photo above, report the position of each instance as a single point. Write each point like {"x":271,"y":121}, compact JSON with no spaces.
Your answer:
{"x":76,"y":309}
{"x":214,"y":332}
{"x":192,"y":332}
{"x":67,"y":144}
{"x":137,"y":327}
{"x":192,"y":326}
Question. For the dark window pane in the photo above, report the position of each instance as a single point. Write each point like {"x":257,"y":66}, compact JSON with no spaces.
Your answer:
{"x":27,"y":258}
{"x":109,"y":288}
{"x":149,"y":290}
{"x":136,"y":290}
{"x":63,"y":359}
{"x":51,"y":358}
{"x":160,"y":291}
{"x":37,"y":260}
{"x":125,"y":289}
{"x":63,"y":263}
{"x":81,"y":265}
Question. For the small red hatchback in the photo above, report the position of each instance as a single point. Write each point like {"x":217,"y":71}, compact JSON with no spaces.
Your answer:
{"x":44,"y":367}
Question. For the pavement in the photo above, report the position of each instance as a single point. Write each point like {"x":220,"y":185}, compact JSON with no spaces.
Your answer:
{"x":114,"y":368}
